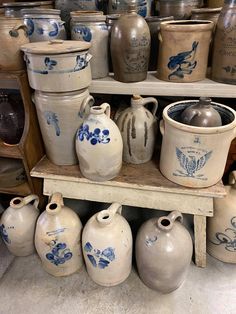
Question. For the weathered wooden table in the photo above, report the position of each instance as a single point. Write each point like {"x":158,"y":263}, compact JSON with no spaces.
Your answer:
{"x":137,"y":185}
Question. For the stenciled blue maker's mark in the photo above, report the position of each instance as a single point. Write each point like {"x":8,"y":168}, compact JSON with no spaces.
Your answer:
{"x":228,"y":239}
{"x":183,"y":63}
{"x":98,"y":258}
{"x":4,"y":234}
{"x":83,"y":32}
{"x":95,"y":137}
{"x":191,"y":164}
{"x":59,"y":253}
{"x":52,"y":119}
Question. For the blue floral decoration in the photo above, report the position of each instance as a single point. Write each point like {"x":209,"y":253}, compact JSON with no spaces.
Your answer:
{"x":95,"y":137}
{"x":59,"y":253}
{"x":84,"y":32}
{"x":4,"y":234}
{"x":55,"y":30}
{"x":52,"y":119}
{"x":30,"y":27}
{"x":40,"y":30}
{"x":49,"y":63}
{"x":81,"y":62}
{"x":98,"y":258}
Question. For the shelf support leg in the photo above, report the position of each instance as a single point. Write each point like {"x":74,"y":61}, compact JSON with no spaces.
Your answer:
{"x":200,"y":240}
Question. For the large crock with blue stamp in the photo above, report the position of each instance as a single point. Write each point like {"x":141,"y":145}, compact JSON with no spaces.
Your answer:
{"x":57,"y":65}
{"x":58,"y":238}
{"x":195,"y":156}
{"x":99,"y":145}
{"x":221,"y":229}
{"x":44,"y":24}
{"x":17,"y":225}
{"x":107,"y":246}
{"x":183,"y":50}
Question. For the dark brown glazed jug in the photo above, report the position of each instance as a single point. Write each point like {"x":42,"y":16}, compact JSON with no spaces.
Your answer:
{"x":201,"y":114}
{"x":130,"y":47}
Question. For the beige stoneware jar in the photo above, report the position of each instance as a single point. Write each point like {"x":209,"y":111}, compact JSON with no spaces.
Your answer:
{"x":163,"y":252}
{"x":99,"y":145}
{"x":17,"y":225}
{"x":107,"y":246}
{"x":183,"y":50}
{"x":138,"y":127}
{"x":221,"y":229}
{"x":59,"y":116}
{"x":58,"y":238}
{"x":12,"y":36}
{"x":195,"y":156}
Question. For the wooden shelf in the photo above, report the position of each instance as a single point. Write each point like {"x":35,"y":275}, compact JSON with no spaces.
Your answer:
{"x":21,"y":190}
{"x":10,"y":151}
{"x":153,"y":86}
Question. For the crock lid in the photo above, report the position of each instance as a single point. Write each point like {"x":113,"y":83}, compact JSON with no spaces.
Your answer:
{"x":56,"y":46}
{"x":40,"y":11}
{"x":21,"y":4}
{"x":88,"y":18}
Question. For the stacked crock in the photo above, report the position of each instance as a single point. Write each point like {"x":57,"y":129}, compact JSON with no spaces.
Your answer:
{"x":60,"y":73}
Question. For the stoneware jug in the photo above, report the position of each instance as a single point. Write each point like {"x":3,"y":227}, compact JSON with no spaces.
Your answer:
{"x":138,"y":127}
{"x":221,"y":229}
{"x":17,"y":225}
{"x":130,"y":47}
{"x":107,"y":246}
{"x":58,"y":238}
{"x":163,"y":252}
{"x":99,"y":145}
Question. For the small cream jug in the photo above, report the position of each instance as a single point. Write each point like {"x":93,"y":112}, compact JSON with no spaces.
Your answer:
{"x":221,"y":229}
{"x":58,"y":238}
{"x":17,"y":225}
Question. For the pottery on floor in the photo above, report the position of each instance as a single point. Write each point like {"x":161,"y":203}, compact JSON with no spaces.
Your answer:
{"x":17,"y":225}
{"x":107,"y":246}
{"x":58,"y":238}
{"x":163,"y":251}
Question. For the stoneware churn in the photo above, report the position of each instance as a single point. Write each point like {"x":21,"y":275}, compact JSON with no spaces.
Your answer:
{"x":221,"y":229}
{"x":99,"y":145}
{"x":107,"y":246}
{"x":195,"y":156}
{"x":224,"y":47}
{"x":163,"y":252}
{"x":59,"y":116}
{"x":17,"y":225}
{"x":130,"y":47}
{"x":138,"y":127}
{"x":183,"y":50}
{"x":58,"y":238}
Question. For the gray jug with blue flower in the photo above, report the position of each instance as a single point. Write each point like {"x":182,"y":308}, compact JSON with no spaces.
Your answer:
{"x":58,"y":238}
{"x":107,"y":246}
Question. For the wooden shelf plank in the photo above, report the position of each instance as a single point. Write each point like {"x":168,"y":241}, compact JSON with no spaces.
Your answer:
{"x":153,"y":86}
{"x":10,"y":151}
{"x":21,"y":190}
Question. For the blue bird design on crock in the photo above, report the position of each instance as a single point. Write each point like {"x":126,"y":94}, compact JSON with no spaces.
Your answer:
{"x":59,"y":253}
{"x":4,"y":234}
{"x":98,"y":258}
{"x":30,"y":27}
{"x":183,"y":63}
{"x":52,"y":119}
{"x":190,"y":163}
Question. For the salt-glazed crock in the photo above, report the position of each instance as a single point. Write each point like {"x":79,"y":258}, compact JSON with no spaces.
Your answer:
{"x":138,"y":127}
{"x":221,"y":229}
{"x":59,"y":116}
{"x":183,"y":50}
{"x":163,"y":251}
{"x":180,"y":9}
{"x":107,"y":246}
{"x":57,"y":65}
{"x":99,"y":145}
{"x":58,"y":238}
{"x":195,"y":156}
{"x":17,"y":225}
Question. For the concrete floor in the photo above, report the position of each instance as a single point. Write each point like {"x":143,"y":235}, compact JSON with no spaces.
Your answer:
{"x":26,"y":288}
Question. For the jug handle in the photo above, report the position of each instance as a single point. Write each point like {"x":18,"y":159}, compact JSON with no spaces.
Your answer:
{"x":57,"y":198}
{"x":162,"y":127}
{"x":166,"y":223}
{"x":105,"y":217}
{"x":28,"y":199}
{"x":175,"y":215}
{"x":88,"y":101}
{"x":14,"y":31}
{"x":107,"y":109}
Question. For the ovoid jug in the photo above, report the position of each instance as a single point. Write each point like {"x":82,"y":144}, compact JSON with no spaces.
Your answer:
{"x":17,"y":225}
{"x":99,"y":145}
{"x":58,"y":238}
{"x":221,"y":229}
{"x":138,"y":127}
{"x":163,"y":252}
{"x":107,"y":246}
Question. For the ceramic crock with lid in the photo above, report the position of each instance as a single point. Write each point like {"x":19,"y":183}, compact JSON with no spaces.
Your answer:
{"x":195,"y":156}
{"x":57,"y":65}
{"x":44,"y":24}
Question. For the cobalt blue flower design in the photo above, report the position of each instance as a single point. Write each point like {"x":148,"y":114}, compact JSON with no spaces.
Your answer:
{"x":4,"y":234}
{"x":95,"y":137}
{"x":30,"y":27}
{"x":228,"y":239}
{"x":59,"y":254}
{"x":98,"y":258}
{"x":84,"y":32}
{"x":49,"y":63}
{"x":81,"y":62}
{"x":40,"y":30}
{"x":55,"y":30}
{"x":52,"y":119}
